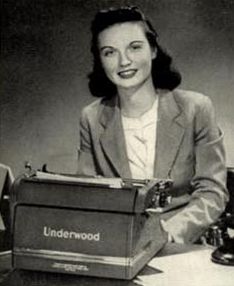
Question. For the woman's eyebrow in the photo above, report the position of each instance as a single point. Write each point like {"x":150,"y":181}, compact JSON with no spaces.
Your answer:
{"x":111,"y":47}
{"x":136,"y":41}
{"x":106,"y":47}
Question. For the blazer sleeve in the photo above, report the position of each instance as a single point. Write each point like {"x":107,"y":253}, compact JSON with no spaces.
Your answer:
{"x":86,"y":163}
{"x":210,"y":195}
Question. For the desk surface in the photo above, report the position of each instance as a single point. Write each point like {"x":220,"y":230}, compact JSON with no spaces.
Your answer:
{"x":175,"y":265}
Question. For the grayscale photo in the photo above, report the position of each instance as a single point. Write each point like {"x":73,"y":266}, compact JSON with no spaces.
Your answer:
{"x":117,"y":143}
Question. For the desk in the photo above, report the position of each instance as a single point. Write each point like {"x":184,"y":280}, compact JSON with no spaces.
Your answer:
{"x":176,"y":265}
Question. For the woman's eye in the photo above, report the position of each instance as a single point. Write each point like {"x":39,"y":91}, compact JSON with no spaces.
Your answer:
{"x":136,"y":47}
{"x":108,"y":53}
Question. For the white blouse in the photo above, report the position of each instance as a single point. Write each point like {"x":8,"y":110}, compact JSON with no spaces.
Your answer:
{"x":140,"y":137}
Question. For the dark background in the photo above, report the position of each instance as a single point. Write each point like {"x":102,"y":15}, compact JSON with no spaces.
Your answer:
{"x":45,"y":60}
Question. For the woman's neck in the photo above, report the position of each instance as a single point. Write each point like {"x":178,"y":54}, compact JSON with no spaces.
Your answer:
{"x":135,"y":102}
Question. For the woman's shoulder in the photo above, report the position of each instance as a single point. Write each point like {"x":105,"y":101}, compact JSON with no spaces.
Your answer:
{"x":190,"y":96}
{"x":189,"y":99}
{"x":94,"y":110}
{"x":91,"y":110}
{"x":94,"y":105}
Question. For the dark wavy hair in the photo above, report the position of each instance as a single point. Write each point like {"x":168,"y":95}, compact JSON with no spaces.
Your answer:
{"x":163,"y":74}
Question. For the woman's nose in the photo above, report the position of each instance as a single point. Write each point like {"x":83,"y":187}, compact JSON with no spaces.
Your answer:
{"x":124,"y":59}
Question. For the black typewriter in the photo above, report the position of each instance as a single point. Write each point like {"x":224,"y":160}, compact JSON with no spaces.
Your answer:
{"x":85,"y":225}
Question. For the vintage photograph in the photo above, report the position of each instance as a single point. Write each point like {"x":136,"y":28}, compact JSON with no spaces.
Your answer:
{"x":116,"y":143}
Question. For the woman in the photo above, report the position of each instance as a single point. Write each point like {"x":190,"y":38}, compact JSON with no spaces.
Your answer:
{"x":143,"y":127}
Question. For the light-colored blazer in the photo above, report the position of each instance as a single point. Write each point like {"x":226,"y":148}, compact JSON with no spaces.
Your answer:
{"x":189,"y":150}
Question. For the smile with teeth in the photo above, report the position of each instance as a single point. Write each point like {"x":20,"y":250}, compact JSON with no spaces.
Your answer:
{"x":127,"y":73}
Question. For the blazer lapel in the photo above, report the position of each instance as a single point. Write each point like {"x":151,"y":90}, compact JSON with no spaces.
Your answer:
{"x":170,"y":132}
{"x":112,"y":139}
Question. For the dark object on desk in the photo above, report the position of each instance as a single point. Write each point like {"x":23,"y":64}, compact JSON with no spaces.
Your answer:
{"x":4,"y":210}
{"x":218,"y":235}
{"x":230,"y":186}
{"x":86,"y":226}
{"x":225,"y":253}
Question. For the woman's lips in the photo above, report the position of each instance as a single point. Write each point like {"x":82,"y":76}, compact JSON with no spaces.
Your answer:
{"x":127,"y":73}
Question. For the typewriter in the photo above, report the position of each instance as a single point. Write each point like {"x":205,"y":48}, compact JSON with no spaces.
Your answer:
{"x":85,"y":225}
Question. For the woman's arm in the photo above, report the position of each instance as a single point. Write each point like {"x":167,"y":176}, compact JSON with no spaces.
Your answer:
{"x":210,"y":195}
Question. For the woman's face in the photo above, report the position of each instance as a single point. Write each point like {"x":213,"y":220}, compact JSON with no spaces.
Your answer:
{"x":125,"y":54}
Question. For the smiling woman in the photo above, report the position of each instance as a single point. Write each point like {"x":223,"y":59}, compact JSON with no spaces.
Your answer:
{"x":143,"y":127}
{"x":126,"y":55}
{"x":109,"y":22}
